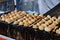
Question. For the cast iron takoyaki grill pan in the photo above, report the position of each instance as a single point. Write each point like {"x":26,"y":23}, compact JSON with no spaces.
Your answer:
{"x":43,"y":34}
{"x":36,"y":33}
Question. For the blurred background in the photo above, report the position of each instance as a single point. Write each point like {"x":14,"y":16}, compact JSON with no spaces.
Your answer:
{"x":32,"y":6}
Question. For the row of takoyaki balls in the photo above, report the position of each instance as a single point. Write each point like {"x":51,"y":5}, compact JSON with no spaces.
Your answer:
{"x":48,"y":24}
{"x":28,"y":20}
{"x":21,"y":18}
{"x":10,"y":17}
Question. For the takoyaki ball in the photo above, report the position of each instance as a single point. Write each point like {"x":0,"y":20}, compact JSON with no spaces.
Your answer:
{"x":46,"y":18}
{"x":11,"y":19}
{"x":27,"y":15}
{"x":41,"y":27}
{"x":14,"y":17}
{"x":32,"y":20}
{"x":21,"y":23}
{"x":15,"y":13}
{"x":8,"y":21}
{"x":9,"y":14}
{"x":26,"y":24}
{"x":41,"y":15}
{"x":38,"y":17}
{"x":23,"y":12}
{"x":30,"y":14}
{"x":55,"y":22}
{"x":38,"y":24}
{"x":24,"y":17}
{"x":49,"y":16}
{"x":48,"y":29}
{"x":35,"y":26}
{"x":54,"y":18}
{"x":3,"y":19}
{"x":16,"y":22}
{"x":29,"y":18}
{"x":19,"y":20}
{"x":46,"y":23}
{"x":18,"y":16}
{"x":52,"y":26}
{"x":49,"y":21}
{"x":29,"y":22}
{"x":24,"y":20}
{"x":12,"y":12}
{"x":43,"y":20}
{"x":58,"y":31}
